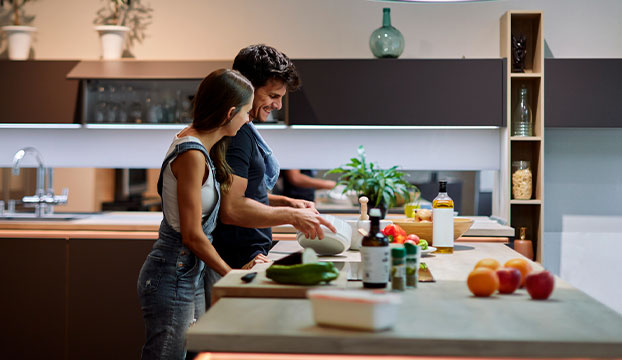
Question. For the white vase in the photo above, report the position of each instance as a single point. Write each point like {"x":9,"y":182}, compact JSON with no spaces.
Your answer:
{"x":112,"y":40}
{"x":19,"y":39}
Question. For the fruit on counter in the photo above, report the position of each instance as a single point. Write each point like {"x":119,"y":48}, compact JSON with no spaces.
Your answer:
{"x":423,"y":243}
{"x":490,"y":263}
{"x":483,"y":281}
{"x":413,"y":237}
{"x":509,"y":279}
{"x":395,"y":233}
{"x":522,"y":265}
{"x":540,"y":284}
{"x":423,"y":215}
{"x":303,"y":274}
{"x":307,"y":256}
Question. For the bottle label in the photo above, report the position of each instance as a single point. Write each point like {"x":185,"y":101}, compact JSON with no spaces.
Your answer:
{"x":443,"y":227}
{"x":376,"y":264}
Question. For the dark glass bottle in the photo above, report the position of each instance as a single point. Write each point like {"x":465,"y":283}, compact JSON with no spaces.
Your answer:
{"x":375,"y":254}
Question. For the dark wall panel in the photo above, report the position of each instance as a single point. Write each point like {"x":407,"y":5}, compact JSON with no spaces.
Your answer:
{"x":583,"y":93}
{"x":37,"y":92}
{"x":399,"y":92}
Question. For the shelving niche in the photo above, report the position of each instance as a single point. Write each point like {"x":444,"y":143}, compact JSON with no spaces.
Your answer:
{"x":524,"y":213}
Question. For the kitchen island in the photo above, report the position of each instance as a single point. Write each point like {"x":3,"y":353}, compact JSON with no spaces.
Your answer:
{"x":436,"y":319}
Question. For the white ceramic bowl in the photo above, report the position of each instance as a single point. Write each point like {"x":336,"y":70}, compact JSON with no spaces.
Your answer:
{"x":362,"y":224}
{"x":333,"y":243}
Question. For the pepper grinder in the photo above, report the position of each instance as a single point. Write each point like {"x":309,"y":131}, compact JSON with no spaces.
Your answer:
{"x":363,"y":200}
{"x":522,"y":246}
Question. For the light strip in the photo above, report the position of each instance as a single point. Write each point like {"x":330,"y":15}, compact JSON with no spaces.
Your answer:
{"x":136,"y":126}
{"x":40,"y":126}
{"x":431,"y":1}
{"x":388,"y":127}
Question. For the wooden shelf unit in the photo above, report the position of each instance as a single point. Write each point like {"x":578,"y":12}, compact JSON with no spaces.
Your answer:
{"x":524,"y":213}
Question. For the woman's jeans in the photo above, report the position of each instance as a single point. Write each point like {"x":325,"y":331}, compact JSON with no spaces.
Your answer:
{"x":172,"y":296}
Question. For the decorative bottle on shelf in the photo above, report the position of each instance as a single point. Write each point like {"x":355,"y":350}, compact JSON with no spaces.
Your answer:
{"x":522,"y":119}
{"x":375,"y":254}
{"x":522,"y":246}
{"x":386,"y":41}
{"x":443,"y":221}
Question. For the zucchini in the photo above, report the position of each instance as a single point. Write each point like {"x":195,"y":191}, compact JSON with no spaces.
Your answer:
{"x":303,"y":274}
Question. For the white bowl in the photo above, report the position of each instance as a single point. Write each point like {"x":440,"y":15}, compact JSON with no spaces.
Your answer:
{"x":333,"y":243}
{"x":355,"y":309}
{"x":357,"y":238}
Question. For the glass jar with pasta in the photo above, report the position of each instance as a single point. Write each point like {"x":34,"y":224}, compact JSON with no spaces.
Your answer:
{"x":521,"y":180}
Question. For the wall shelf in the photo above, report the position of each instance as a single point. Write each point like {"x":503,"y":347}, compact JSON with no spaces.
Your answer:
{"x":524,"y":213}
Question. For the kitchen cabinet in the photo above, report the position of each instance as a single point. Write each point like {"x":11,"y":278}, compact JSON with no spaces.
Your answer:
{"x":104,"y":319}
{"x":428,"y":92}
{"x":38,"y":92}
{"x":524,"y":212}
{"x":71,"y":294}
{"x":583,"y":93}
{"x":33,"y":301}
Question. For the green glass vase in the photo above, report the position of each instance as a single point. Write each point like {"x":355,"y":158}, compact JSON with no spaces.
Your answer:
{"x":386,"y":41}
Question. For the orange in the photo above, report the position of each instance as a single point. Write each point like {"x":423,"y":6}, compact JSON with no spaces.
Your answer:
{"x":489,"y":263}
{"x":522,"y":265}
{"x":483,"y":281}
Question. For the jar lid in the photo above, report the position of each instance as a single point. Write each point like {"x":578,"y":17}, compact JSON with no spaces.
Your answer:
{"x":398,"y":252}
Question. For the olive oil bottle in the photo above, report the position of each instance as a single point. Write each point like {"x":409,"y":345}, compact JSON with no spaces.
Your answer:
{"x":443,"y":221}
{"x":375,"y":254}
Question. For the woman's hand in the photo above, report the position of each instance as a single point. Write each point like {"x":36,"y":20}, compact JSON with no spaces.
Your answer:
{"x":259,"y":259}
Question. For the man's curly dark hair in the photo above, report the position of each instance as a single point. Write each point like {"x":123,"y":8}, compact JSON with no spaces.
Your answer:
{"x":260,"y":63}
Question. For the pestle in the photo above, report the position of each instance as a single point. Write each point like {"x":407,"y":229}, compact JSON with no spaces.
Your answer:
{"x":364,"y":200}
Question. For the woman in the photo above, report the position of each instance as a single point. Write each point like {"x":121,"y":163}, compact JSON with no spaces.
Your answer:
{"x":170,"y":283}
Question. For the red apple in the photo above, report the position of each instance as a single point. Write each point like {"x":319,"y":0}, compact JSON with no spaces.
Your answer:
{"x":540,"y":284}
{"x":509,"y":280}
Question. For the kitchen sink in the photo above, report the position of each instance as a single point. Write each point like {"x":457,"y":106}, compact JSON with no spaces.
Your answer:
{"x":50,"y":217}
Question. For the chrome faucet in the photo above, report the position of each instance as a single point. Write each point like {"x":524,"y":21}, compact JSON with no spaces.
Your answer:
{"x":44,"y":198}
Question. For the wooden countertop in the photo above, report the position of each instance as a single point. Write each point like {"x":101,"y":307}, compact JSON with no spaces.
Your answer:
{"x":436,"y":319}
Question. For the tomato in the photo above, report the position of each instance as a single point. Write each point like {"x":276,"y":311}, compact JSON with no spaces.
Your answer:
{"x":414,"y":238}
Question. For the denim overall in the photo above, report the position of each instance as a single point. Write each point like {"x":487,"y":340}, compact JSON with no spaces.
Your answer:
{"x":171,"y":283}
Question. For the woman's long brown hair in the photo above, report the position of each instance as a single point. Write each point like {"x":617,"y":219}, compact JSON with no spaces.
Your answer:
{"x":220,"y":91}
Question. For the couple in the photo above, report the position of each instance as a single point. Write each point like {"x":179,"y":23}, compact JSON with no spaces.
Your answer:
{"x":218,"y":213}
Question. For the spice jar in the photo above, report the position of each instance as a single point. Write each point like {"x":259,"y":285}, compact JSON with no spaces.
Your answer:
{"x":398,"y":271}
{"x":521,"y":180}
{"x":413,"y":255}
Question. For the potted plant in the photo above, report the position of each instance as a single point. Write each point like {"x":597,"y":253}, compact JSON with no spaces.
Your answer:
{"x":118,"y":20}
{"x":383,"y":188}
{"x":18,"y":34}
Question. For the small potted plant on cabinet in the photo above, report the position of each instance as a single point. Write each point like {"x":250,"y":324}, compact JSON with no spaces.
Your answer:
{"x":118,"y":20}
{"x":383,"y":188}
{"x":18,"y":34}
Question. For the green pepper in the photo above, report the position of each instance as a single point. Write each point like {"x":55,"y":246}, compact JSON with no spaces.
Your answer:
{"x":303,"y":274}
{"x":423,"y":244}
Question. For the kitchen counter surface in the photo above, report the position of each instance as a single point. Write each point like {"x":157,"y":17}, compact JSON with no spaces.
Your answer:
{"x":436,"y":319}
{"x":150,"y":222}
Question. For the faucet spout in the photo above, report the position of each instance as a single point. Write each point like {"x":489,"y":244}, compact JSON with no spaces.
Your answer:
{"x":21,"y":153}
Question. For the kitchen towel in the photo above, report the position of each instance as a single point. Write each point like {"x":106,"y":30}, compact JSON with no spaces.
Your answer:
{"x":272,"y":165}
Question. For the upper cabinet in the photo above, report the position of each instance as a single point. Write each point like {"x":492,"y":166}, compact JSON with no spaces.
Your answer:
{"x":583,"y":93}
{"x":440,"y":92}
{"x":38,"y":92}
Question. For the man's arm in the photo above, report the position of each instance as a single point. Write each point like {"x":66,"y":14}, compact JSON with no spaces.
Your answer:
{"x":296,"y":178}
{"x":237,"y":209}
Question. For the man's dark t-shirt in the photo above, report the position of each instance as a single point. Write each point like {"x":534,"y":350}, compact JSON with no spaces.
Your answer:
{"x":238,"y":245}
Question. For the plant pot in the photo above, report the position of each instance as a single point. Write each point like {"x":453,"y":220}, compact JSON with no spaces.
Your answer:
{"x":112,"y":40}
{"x":19,"y":39}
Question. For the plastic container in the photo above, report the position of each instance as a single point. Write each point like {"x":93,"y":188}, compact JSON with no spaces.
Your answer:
{"x":354,"y":309}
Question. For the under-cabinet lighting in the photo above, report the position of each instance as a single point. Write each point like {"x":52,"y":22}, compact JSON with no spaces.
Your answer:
{"x":388,"y":127}
{"x":40,"y":126}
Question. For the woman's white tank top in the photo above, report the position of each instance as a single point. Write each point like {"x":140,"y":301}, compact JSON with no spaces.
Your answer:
{"x":170,"y":205}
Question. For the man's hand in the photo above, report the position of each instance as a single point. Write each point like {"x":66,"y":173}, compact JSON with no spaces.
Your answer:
{"x":302,"y":204}
{"x":308,"y":221}
{"x":259,"y":259}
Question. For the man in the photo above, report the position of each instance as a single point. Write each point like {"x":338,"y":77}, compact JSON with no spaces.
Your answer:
{"x":248,"y":211}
